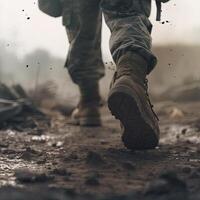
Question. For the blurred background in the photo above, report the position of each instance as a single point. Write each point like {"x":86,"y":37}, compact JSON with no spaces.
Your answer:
{"x":33,"y":47}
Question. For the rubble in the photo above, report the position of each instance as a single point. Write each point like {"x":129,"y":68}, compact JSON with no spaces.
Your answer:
{"x":94,"y":159}
{"x":168,"y":183}
{"x":16,"y":109}
{"x":79,"y":161}
{"x":61,"y":172}
{"x":28,"y":176}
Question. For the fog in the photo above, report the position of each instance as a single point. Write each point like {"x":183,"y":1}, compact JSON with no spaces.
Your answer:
{"x":42,"y":31}
{"x":29,"y":37}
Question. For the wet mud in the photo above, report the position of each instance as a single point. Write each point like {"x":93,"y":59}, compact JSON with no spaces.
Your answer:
{"x":55,"y":160}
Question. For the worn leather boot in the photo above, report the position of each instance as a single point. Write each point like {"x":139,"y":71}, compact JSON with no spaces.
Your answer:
{"x":87,"y":112}
{"x":129,"y":102}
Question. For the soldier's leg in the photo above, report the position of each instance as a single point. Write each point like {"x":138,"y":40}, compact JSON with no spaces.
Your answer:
{"x":130,"y":46}
{"x":130,"y":28}
{"x":83,"y":21}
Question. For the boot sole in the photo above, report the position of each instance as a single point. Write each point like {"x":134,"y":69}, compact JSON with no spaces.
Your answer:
{"x":137,"y":133}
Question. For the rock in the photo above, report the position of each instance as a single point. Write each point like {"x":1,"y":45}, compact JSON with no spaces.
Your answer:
{"x":195,"y":175}
{"x":186,"y":169}
{"x":94,"y":159}
{"x":167,"y":183}
{"x":72,"y":156}
{"x":30,"y":154}
{"x":173,"y":179}
{"x":184,"y":131}
{"x":61,"y":172}
{"x":176,"y":113}
{"x":3,"y":144}
{"x":157,"y":187}
{"x":104,"y":142}
{"x":28,"y":176}
{"x":41,"y":161}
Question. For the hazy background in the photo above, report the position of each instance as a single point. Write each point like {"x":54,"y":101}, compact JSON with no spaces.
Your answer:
{"x":33,"y":46}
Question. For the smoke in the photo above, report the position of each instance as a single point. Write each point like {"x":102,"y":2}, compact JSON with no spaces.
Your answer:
{"x":33,"y":51}
{"x":37,"y":67}
{"x":176,"y":63}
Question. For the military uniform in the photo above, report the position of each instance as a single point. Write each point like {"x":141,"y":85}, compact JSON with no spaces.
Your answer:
{"x":130,"y":45}
{"x":130,"y":32}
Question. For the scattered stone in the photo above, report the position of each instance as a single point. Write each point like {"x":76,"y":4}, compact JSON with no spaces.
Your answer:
{"x":40,"y":139}
{"x":94,"y":159}
{"x":27,"y":156}
{"x":72,"y":156}
{"x":8,"y":151}
{"x":59,"y":144}
{"x":27,"y":176}
{"x":186,"y":170}
{"x":167,"y":183}
{"x":184,"y":131}
{"x":3,"y":145}
{"x":41,"y":161}
{"x":61,"y":172}
{"x":30,"y":154}
{"x":103,"y":142}
{"x":37,"y":132}
{"x":157,"y":187}
{"x":176,"y":113}
{"x":172,"y":178}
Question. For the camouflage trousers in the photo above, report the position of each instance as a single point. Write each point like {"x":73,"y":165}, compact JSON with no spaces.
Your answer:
{"x":130,"y":32}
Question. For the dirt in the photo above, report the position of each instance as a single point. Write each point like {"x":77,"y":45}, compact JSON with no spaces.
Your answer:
{"x":56,"y":161}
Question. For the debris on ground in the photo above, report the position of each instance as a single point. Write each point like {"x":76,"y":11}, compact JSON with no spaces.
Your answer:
{"x":35,"y":176}
{"x":94,"y":159}
{"x":59,"y":161}
{"x":168,"y":183}
{"x":17,"y":111}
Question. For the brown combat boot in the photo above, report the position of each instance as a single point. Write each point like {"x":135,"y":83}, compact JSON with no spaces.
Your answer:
{"x":129,"y":102}
{"x":87,"y":112}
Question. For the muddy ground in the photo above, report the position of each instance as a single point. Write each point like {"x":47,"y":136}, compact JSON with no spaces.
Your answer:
{"x":48,"y":159}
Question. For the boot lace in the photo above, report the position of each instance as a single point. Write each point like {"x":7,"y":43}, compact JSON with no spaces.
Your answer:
{"x":148,"y":98}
